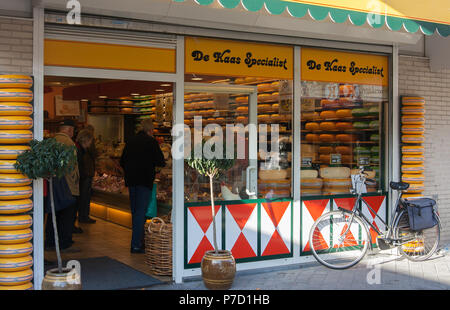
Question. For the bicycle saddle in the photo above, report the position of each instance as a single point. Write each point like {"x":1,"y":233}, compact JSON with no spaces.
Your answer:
{"x":400,"y":186}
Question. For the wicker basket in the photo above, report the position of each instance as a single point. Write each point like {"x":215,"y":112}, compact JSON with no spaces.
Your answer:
{"x":158,"y":246}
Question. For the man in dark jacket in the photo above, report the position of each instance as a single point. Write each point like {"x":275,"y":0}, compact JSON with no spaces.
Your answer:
{"x":139,"y":158}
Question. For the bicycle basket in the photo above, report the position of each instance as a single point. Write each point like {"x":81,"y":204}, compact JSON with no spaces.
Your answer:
{"x":420,"y":213}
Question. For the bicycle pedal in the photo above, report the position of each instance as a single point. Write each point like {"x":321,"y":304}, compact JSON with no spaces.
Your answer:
{"x":382,"y":244}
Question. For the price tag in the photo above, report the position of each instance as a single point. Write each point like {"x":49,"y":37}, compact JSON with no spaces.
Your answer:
{"x":306,"y":161}
{"x":335,"y":159}
{"x":363,"y":160}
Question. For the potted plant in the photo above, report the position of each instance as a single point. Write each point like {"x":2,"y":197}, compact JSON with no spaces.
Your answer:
{"x":218,"y":266}
{"x":49,"y":159}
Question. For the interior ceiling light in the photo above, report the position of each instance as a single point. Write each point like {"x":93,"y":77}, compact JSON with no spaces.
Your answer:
{"x":165,"y":85}
{"x":84,"y":99}
{"x":159,"y":90}
{"x":196,"y":78}
{"x":103,"y":97}
{"x":134,"y":94}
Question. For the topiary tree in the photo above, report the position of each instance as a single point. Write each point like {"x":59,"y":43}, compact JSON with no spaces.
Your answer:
{"x":211,"y":168}
{"x":48,"y":159}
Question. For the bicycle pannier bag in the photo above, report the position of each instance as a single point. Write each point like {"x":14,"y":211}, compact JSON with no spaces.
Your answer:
{"x":420,"y":212}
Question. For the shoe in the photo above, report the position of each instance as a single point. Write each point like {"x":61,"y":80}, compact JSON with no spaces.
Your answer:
{"x":87,"y":221}
{"x":77,"y":230}
{"x":137,"y":250}
{"x":71,"y":249}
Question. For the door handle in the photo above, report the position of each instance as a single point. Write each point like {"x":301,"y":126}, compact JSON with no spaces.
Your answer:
{"x":248,"y":190}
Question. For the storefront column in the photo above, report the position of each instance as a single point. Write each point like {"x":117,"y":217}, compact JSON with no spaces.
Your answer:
{"x":38,"y":133}
{"x":178,"y":170}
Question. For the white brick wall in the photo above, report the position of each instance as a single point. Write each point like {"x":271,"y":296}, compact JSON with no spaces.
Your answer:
{"x":16,"y":46}
{"x":416,"y":79}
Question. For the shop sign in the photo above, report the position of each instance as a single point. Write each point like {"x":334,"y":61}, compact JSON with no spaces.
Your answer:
{"x":344,"y":67}
{"x":234,"y":58}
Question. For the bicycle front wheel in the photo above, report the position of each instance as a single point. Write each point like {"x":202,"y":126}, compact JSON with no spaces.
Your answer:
{"x":416,"y":245}
{"x":336,"y":243}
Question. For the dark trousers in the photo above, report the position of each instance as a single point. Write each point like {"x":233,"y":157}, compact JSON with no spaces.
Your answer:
{"x":64,"y":224}
{"x":84,"y":200}
{"x":139,"y":200}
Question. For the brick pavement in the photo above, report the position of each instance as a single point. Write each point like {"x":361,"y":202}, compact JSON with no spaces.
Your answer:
{"x":386,"y":271}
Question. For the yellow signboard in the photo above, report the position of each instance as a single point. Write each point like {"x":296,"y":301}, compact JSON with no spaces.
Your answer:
{"x":436,"y":11}
{"x":108,"y":56}
{"x":234,"y":58}
{"x":344,"y":67}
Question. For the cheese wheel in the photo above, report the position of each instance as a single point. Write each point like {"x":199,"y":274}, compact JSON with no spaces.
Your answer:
{"x":345,"y":102}
{"x":325,"y":159}
{"x":335,"y":173}
{"x":310,"y":116}
{"x":335,"y":190}
{"x":273,"y":174}
{"x":264,"y":97}
{"x":15,"y":236}
{"x":414,"y":101}
{"x":7,"y":166}
{"x":326,"y":150}
{"x":345,"y":138}
{"x":241,"y":119}
{"x":413,"y":159}
{"x":347,"y":159}
{"x":374,"y":111}
{"x":346,"y":90}
{"x":413,"y":150}
{"x":15,"y":136}
{"x":264,"y":118}
{"x":264,"y":108}
{"x":412,"y":196}
{"x":413,"y":178}
{"x":330,"y":104}
{"x":15,"y":81}
{"x":16,"y":277}
{"x":311,"y":183}
{"x":360,"y":112}
{"x":15,"y":108}
{"x":16,"y":94}
{"x":242,"y":109}
{"x":327,"y":137}
{"x":276,"y":118}
{"x":327,"y":114}
{"x":22,"y":287}
{"x":310,"y":192}
{"x":309,"y":174}
{"x":15,"y":250}
{"x":10,"y":179}
{"x":416,"y":187}
{"x":15,"y":206}
{"x":126,"y":110}
{"x":361,"y":125}
{"x":15,"y":222}
{"x":344,"y":113}
{"x":413,"y":129}
{"x":337,"y":183}
{"x":413,"y":139}
{"x":343,"y":150}
{"x":312,"y":137}
{"x":312,"y":126}
{"x":413,"y":169}
{"x":12,"y":193}
{"x":375,"y":137}
{"x":327,"y":126}
{"x":264,"y":87}
{"x":242,"y":99}
{"x":344,"y":125}
{"x":374,"y":125}
{"x":413,"y":110}
{"x":413,"y":120}
{"x":16,"y":264}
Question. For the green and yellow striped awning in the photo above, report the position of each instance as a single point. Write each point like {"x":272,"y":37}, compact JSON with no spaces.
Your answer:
{"x":412,"y":15}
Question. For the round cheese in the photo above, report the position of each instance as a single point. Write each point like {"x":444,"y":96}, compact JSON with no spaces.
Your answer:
{"x":15,"y":136}
{"x":242,"y":109}
{"x":15,"y":81}
{"x":325,"y":159}
{"x":374,"y":111}
{"x":16,"y":264}
{"x":14,"y":179}
{"x":15,"y":250}
{"x":264,"y":97}
{"x":313,"y":126}
{"x":413,"y":169}
{"x":345,"y":102}
{"x":326,"y":150}
{"x":327,"y":126}
{"x":413,"y":110}
{"x":416,"y":188}
{"x":335,"y":173}
{"x":264,"y":108}
{"x":413,"y":150}
{"x":413,"y":129}
{"x":413,"y":159}
{"x":413,"y":178}
{"x":263,"y":117}
{"x":412,"y":196}
{"x":327,"y":114}
{"x":361,"y":125}
{"x":315,"y":183}
{"x":343,"y":150}
{"x":375,"y":137}
{"x":264,"y":87}
{"x":12,"y":193}
{"x":347,"y":159}
{"x":413,"y":120}
{"x":15,"y":236}
{"x":345,"y":138}
{"x":337,"y":182}
{"x":309,"y":174}
{"x":242,"y":99}
{"x":16,"y":277}
{"x":414,"y":101}
{"x":327,"y":138}
{"x":344,"y":113}
{"x":7,"y":166}
{"x":312,"y":137}
{"x":15,"y":222}
{"x":310,"y":115}
{"x":276,"y":117}
{"x":15,"y":108}
{"x":344,"y":126}
{"x":360,"y":112}
{"x":12,"y":151}
{"x":413,"y":139}
{"x":273,"y":174}
{"x":374,"y":125}
{"x":329,"y":104}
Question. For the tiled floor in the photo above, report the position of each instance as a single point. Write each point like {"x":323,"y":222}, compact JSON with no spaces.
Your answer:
{"x":105,"y":239}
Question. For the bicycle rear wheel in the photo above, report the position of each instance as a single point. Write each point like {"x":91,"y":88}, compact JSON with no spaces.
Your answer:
{"x":416,"y":245}
{"x":334,"y":245}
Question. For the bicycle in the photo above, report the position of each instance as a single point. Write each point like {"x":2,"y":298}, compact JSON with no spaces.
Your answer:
{"x":347,"y":235}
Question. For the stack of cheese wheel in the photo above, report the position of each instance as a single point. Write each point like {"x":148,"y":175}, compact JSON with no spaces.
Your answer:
{"x":336,"y":180}
{"x":15,"y":188}
{"x":310,"y":183}
{"x":413,"y":129}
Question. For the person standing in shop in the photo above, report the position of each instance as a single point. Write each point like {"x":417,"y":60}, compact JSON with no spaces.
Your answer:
{"x":139,"y":158}
{"x":65,"y":217}
{"x":87,"y":170}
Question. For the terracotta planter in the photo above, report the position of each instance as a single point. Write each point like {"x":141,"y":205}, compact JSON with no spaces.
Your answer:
{"x":54,"y":280}
{"x":218,"y":270}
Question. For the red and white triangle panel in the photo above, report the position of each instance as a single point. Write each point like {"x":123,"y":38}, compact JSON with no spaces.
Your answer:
{"x":276,"y":226}
{"x":311,"y":211}
{"x":378,"y":204}
{"x":241,"y":233}
{"x":200,"y":232}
